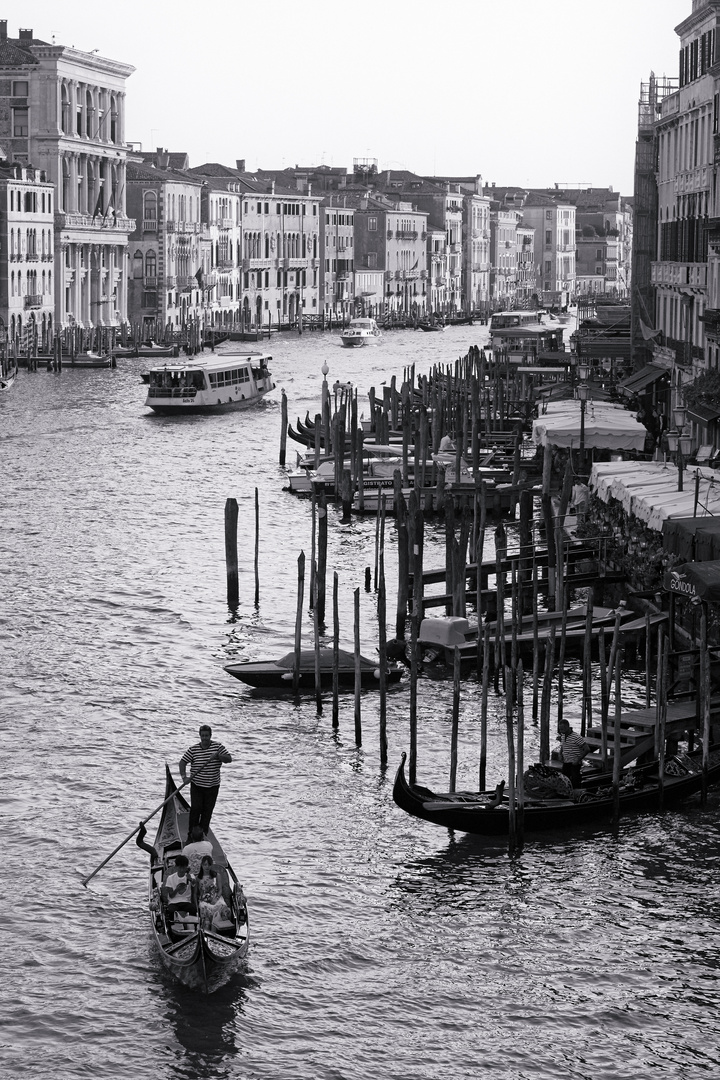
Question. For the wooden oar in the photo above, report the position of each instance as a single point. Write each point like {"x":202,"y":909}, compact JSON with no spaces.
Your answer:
{"x":135,"y":830}
{"x":143,"y":822}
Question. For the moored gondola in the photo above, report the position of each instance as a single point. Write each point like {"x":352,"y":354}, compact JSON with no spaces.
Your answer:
{"x":484,"y":814}
{"x":201,"y":957}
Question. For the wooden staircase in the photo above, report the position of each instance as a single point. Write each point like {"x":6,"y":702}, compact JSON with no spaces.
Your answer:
{"x":638,"y":728}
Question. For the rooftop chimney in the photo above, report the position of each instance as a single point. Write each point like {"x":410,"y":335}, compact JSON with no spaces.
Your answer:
{"x":3,"y":29}
{"x":163,"y":158}
{"x":240,"y":164}
{"x":26,"y":37}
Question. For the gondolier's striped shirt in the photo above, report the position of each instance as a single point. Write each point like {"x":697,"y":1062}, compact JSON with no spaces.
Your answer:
{"x":198,"y":758}
{"x":572,"y":747}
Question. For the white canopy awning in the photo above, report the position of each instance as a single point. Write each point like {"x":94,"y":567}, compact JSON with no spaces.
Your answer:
{"x":649,"y":490}
{"x":607,"y":427}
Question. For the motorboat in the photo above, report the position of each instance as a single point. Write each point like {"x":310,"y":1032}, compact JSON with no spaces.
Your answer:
{"x":279,"y":674}
{"x":219,"y":383}
{"x":90,"y":360}
{"x":361,"y":332}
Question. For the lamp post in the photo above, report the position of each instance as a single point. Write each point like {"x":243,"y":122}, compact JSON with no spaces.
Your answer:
{"x":678,"y":443}
{"x":583,"y":392}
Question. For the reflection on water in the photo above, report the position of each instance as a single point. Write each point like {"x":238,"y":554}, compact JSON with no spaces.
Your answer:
{"x":205,"y":1027}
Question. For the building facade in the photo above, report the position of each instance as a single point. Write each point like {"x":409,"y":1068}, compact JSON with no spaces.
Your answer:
{"x":64,"y":112}
{"x":391,"y":236}
{"x":337,"y":257}
{"x":169,"y":250}
{"x":27,"y":303}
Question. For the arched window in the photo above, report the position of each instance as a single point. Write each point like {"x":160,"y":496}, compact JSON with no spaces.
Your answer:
{"x":150,"y":265}
{"x":12,"y":283}
{"x":150,"y":206}
{"x":113,"y":119}
{"x":65,"y":110}
{"x":89,"y":116}
{"x":138,"y":265}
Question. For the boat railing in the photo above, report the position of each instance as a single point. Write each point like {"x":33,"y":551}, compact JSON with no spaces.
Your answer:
{"x":172,"y":391}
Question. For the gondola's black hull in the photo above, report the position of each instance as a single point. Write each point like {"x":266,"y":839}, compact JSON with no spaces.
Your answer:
{"x":494,"y":821}
{"x":206,"y":961}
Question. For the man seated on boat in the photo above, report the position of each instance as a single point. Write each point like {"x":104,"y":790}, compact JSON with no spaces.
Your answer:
{"x":179,"y":888}
{"x":573,"y":749}
{"x":197,"y":848}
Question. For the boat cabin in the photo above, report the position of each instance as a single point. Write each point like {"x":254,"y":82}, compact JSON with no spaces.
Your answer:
{"x":530,"y":343}
{"x":501,"y":320}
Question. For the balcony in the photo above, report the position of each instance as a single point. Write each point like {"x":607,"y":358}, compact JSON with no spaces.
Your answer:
{"x":225,"y":265}
{"x":149,"y":225}
{"x":33,"y":300}
{"x":225,"y":223}
{"x":406,"y":234}
{"x":150,"y":282}
{"x":680,"y":275}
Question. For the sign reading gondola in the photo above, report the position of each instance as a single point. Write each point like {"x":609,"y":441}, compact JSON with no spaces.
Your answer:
{"x":678,"y":583}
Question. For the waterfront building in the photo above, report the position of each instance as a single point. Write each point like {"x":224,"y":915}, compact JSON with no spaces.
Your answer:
{"x":337,"y":257}
{"x":504,"y":222}
{"x":274,"y":241}
{"x":391,"y":236}
{"x":169,"y":248}
{"x":438,"y":276}
{"x":526,"y":287}
{"x":63,"y":111}
{"x":554,"y":224}
{"x":475,"y":275}
{"x":27,"y":301}
{"x":442,"y":203}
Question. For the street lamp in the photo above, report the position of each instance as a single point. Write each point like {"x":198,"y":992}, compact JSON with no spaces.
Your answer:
{"x":678,"y":443}
{"x":583,"y":393}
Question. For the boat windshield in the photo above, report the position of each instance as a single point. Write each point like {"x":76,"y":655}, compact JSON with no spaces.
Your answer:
{"x":177,"y":380}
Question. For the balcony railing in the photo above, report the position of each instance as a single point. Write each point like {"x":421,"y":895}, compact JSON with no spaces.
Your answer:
{"x":406,"y":234}
{"x":150,"y":282}
{"x":33,"y":300}
{"x":679,"y":274}
{"x":149,"y":225}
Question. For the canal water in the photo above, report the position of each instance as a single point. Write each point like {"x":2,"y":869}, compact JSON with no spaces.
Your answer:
{"x":382,"y":947}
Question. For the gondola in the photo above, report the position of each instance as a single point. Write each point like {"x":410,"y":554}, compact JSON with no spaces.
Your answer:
{"x":201,"y":959}
{"x":485,"y":814}
{"x":278,"y":674}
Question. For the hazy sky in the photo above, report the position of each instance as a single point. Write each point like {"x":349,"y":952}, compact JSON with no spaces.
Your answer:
{"x":533,"y":92}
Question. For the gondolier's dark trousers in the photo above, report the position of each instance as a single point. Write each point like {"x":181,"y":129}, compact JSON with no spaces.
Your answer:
{"x":202,"y":804}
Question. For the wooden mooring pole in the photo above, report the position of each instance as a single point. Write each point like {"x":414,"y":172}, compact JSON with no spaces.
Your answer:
{"x":231,"y":553}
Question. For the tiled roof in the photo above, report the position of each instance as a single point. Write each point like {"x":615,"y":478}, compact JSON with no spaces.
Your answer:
{"x":137,"y":171}
{"x":11,"y":55}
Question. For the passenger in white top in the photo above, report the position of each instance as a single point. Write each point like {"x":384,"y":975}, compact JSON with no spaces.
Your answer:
{"x":197,"y":847}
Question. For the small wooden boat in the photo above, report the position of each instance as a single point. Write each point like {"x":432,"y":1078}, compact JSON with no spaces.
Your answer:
{"x":278,"y":674}
{"x":203,"y":959}
{"x":149,"y":348}
{"x":90,"y":360}
{"x":430,"y":328}
{"x":485,"y":813}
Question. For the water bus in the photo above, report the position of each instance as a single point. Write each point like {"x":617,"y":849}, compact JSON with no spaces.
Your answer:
{"x":218,"y":383}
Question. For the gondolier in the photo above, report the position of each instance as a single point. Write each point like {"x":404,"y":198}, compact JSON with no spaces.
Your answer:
{"x":573,"y":749}
{"x":205,"y":759}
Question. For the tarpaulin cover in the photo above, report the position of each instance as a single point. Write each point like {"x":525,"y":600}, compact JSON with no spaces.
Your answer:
{"x":692,"y":539}
{"x":606,"y":427}
{"x":704,"y":578}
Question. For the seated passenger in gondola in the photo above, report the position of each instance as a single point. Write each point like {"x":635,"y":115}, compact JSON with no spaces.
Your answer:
{"x":210,"y":897}
{"x":179,"y":888}
{"x":197,"y":847}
